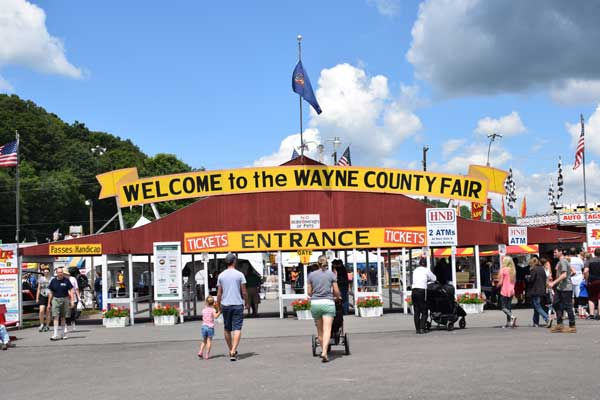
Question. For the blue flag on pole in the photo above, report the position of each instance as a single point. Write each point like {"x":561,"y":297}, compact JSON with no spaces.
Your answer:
{"x":295,"y":154}
{"x":301,"y":85}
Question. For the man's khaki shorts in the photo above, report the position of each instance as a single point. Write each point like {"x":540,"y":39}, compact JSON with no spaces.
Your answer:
{"x":60,"y":307}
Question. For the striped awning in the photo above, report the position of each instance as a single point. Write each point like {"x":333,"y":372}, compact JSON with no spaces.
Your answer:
{"x":469,"y":251}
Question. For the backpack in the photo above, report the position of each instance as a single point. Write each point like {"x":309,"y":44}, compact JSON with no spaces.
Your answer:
{"x":82,"y":281}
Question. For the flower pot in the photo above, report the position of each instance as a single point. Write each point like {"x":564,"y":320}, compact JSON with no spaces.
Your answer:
{"x":119,"y":322}
{"x":303,"y":314}
{"x":370,"y":311}
{"x":472,"y":308}
{"x":165,"y":320}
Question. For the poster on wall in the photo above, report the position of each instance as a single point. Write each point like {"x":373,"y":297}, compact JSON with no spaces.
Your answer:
{"x":593,"y":235}
{"x":167,"y":271}
{"x":9,"y":281}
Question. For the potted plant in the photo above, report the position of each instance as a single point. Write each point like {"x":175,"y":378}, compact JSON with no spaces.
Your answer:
{"x":115,"y":317}
{"x":302,"y":308}
{"x":370,"y":306}
{"x":165,"y":315}
{"x":472,"y":303}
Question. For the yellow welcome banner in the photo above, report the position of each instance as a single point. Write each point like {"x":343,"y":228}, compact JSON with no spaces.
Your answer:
{"x":131,"y":191}
{"x":317,"y":239}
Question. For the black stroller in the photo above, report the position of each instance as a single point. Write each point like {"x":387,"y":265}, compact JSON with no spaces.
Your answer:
{"x":443,"y":308}
{"x":338,"y":336}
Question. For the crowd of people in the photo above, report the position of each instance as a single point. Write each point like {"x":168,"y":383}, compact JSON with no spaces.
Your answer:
{"x":566,"y":282}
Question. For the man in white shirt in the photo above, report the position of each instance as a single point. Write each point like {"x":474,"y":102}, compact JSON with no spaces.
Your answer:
{"x":421,"y":276}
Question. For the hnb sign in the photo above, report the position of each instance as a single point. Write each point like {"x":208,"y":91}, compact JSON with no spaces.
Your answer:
{"x":441,"y":215}
{"x":517,"y":235}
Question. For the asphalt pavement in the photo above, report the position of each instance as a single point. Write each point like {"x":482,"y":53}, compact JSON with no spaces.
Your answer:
{"x":387,"y":361}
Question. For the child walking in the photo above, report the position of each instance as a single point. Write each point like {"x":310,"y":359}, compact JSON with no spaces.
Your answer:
{"x":209,"y":314}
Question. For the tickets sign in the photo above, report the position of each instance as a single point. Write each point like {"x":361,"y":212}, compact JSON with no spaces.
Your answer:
{"x":131,"y":190}
{"x":317,"y":239}
{"x":75,"y":249}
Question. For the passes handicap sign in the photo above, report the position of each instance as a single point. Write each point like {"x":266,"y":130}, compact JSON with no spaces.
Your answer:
{"x":441,"y":227}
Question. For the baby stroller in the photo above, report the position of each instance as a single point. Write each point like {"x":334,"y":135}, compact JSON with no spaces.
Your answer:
{"x":443,"y":308}
{"x":338,"y":336}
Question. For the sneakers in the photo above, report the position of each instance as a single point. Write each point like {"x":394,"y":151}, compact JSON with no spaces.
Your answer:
{"x":46,"y":328}
{"x":549,"y":323}
{"x":570,"y":329}
{"x":4,"y":346}
{"x":233,"y":357}
{"x":513,"y":322}
{"x":42,"y":327}
{"x":558,"y":328}
{"x":55,"y":337}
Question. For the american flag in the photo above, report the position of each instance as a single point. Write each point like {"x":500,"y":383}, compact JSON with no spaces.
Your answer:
{"x":345,"y":159}
{"x":8,"y":155}
{"x":580,"y":148}
{"x":295,"y":154}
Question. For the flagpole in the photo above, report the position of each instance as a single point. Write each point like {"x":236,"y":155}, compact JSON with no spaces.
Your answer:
{"x":18,"y":223}
{"x":585,"y":205}
{"x":17,"y":192}
{"x":299,"y":37}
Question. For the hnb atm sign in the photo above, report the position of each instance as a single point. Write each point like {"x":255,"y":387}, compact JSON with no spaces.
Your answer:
{"x":517,"y":235}
{"x":441,"y":227}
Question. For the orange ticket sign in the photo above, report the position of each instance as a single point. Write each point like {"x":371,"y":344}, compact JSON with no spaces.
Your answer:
{"x":294,"y":240}
{"x":75,"y":249}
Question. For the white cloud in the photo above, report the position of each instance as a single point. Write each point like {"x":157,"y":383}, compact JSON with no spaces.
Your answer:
{"x":5,"y":86}
{"x":535,"y":187}
{"x":451,"y":146}
{"x":576,"y":91}
{"x":361,"y":111}
{"x":286,"y":148}
{"x":492,"y":46}
{"x":26,"y":41}
{"x":508,"y":125}
{"x":592,"y":133}
{"x":472,"y":153}
{"x":388,"y":8}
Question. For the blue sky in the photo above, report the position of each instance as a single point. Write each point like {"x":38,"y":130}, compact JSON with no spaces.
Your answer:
{"x":211,"y":81}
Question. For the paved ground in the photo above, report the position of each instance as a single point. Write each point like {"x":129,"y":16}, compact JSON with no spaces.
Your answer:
{"x":388,"y":361}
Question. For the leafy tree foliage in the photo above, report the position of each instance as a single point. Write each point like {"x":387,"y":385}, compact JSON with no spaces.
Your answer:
{"x":58,"y":172}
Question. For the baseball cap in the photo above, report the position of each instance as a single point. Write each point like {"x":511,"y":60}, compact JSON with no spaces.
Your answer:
{"x":230,"y":258}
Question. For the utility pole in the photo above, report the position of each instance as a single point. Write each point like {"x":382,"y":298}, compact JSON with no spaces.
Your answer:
{"x":425,"y":148}
{"x":492,"y":137}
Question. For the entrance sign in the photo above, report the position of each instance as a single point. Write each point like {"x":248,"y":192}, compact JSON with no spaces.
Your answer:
{"x":75,"y":249}
{"x":441,"y":227}
{"x":168,"y":284}
{"x":517,"y":235}
{"x":131,"y":190}
{"x":315,"y":239}
{"x":305,"y":221}
{"x":593,"y":235}
{"x":9,"y":281}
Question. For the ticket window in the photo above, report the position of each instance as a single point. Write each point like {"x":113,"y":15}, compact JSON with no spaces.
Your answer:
{"x":466,"y":275}
{"x":294,"y":279}
{"x":118,"y":281}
